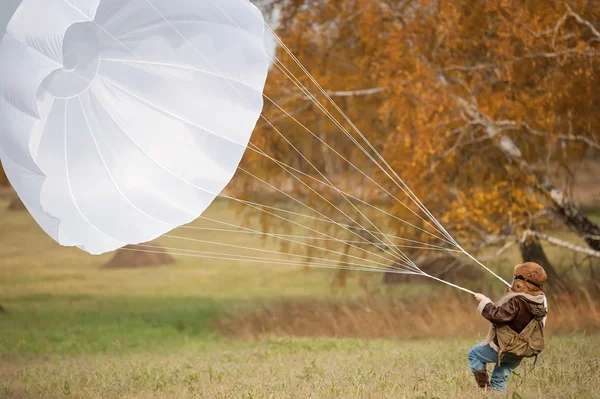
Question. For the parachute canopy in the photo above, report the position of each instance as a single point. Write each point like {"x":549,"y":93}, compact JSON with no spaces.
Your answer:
{"x":121,"y":120}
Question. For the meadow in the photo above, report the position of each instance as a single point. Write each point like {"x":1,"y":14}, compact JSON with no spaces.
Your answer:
{"x":73,"y":330}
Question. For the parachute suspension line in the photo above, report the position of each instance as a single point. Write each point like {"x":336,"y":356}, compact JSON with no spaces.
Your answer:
{"x":318,"y":219}
{"x":405,"y":264}
{"x":356,"y":198}
{"x":159,"y":164}
{"x":319,"y":181}
{"x":447,"y":282}
{"x":404,"y":187}
{"x":328,"y":114}
{"x":241,"y":258}
{"x":313,"y":230}
{"x":406,"y":258}
{"x":290,"y":75}
{"x":217,"y":72}
{"x":383,"y":265}
{"x":302,"y":87}
{"x":166,"y":78}
{"x":423,"y":245}
{"x":409,"y":193}
{"x":399,"y":252}
{"x":299,"y":237}
{"x":268,"y":261}
{"x":283,"y":165}
{"x":274,"y":208}
{"x":132,"y":52}
{"x":326,"y":200}
{"x":250,"y":205}
{"x":265,"y":250}
{"x":283,"y":137}
{"x":378,"y":265}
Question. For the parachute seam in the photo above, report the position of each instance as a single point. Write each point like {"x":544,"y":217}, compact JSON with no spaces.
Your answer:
{"x":71,"y":189}
{"x":204,"y":190}
{"x":159,"y":64}
{"x":108,"y":171}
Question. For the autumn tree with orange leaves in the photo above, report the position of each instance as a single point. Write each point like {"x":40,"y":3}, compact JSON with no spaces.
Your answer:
{"x":477,"y":106}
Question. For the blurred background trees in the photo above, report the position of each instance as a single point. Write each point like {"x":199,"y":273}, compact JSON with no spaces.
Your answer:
{"x":487,"y":110}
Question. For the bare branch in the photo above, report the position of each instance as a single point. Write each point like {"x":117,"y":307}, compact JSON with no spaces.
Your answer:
{"x":582,"y":21}
{"x":493,"y":128}
{"x":564,"y":244}
{"x":470,"y":68}
{"x":560,"y":136}
{"x":559,"y":23}
{"x":347,"y":93}
{"x":558,"y":54}
{"x":351,"y":93}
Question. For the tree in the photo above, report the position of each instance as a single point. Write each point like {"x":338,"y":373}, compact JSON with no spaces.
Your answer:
{"x":512,"y":89}
{"x":532,"y":251}
{"x":475,"y":105}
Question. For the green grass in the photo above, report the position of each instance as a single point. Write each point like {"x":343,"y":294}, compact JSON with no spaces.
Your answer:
{"x":74,"y":330}
{"x":300,"y":368}
{"x":60,"y":301}
{"x":594,"y":213}
{"x":76,"y":324}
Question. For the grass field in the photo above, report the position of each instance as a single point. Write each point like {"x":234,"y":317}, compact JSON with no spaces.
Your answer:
{"x":74,"y":330}
{"x":297,"y":368}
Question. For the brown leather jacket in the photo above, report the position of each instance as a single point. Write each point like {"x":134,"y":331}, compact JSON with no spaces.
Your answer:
{"x":516,"y":312}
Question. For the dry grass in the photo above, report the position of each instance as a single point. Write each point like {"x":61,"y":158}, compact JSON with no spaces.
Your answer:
{"x":444,"y":316}
{"x":72,"y":330}
{"x":301,"y":368}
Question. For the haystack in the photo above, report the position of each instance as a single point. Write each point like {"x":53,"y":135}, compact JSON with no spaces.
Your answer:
{"x":16,"y":205}
{"x":131,"y":256}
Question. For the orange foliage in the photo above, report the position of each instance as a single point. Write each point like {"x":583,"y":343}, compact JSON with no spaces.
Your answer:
{"x":457,"y":78}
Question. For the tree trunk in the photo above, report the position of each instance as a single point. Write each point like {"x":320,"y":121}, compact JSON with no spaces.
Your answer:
{"x":532,"y":251}
{"x":573,"y":216}
{"x":577,"y":220}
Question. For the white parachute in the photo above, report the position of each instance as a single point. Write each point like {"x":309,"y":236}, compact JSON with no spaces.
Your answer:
{"x":121,"y":120}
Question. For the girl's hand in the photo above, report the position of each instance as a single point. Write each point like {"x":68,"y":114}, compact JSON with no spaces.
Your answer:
{"x":480,"y":297}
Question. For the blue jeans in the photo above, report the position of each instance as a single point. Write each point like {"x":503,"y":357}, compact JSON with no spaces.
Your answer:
{"x":480,"y":355}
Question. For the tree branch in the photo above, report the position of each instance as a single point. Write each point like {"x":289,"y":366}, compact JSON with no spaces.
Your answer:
{"x":493,"y":128}
{"x":561,"y":136}
{"x":582,"y":21}
{"x":351,"y":93}
{"x":347,"y":93}
{"x":563,"y":244}
{"x":469,"y":68}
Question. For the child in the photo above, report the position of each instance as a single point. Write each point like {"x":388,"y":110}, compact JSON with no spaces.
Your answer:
{"x":520,"y":313}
